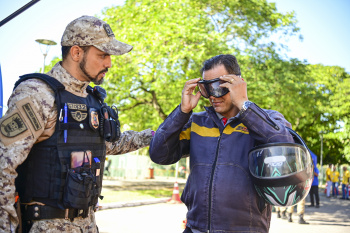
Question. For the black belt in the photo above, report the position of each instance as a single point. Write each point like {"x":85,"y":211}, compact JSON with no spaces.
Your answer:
{"x":38,"y":212}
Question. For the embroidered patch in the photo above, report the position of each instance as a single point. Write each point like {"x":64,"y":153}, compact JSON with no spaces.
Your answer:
{"x":108,"y":30}
{"x":32,"y":117}
{"x":13,"y":126}
{"x":94,"y":123}
{"x":78,"y":115}
{"x":81,"y":107}
{"x":239,"y":128}
{"x":242,"y":128}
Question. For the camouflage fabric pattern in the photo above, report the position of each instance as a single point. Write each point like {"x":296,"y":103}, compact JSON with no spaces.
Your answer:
{"x":78,"y":225}
{"x":88,"y":30}
{"x":129,"y":141}
{"x":14,"y":154}
{"x":300,"y":208}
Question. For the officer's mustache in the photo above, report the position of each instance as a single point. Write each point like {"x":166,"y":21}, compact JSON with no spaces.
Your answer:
{"x":102,"y":71}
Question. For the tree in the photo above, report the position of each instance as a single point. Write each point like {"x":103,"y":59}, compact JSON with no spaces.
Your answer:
{"x":172,"y":39}
{"x":332,"y":103}
{"x":52,"y":63}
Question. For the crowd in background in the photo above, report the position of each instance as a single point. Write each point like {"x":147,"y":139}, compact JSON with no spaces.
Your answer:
{"x":334,"y":178}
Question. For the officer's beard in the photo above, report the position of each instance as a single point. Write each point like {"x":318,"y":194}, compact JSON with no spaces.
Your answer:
{"x":95,"y":79}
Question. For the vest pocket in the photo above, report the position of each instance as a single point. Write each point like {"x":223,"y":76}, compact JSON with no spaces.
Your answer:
{"x":78,"y":188}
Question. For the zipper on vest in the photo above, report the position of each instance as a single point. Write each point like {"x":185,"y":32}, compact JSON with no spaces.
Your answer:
{"x":211,"y":181}
{"x":273,"y":125}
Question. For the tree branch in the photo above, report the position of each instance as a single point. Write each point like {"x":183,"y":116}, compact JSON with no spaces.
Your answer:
{"x":132,"y":106}
{"x":157,"y":106}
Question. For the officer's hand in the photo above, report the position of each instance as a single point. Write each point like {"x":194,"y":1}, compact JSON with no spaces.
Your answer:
{"x":189,"y":101}
{"x":237,"y":87}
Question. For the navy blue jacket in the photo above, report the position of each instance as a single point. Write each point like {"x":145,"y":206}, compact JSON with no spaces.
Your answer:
{"x":219,"y":192}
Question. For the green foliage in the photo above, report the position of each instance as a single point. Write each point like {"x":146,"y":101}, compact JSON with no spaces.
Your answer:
{"x":314,"y":98}
{"x":111,"y":196}
{"x":332,"y":85}
{"x":51,"y":65}
{"x":171,"y":40}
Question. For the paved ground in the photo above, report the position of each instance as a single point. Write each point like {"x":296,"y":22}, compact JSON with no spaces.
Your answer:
{"x":332,"y":217}
{"x":138,"y":184}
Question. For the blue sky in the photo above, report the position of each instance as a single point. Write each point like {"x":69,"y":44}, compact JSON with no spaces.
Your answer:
{"x":324,"y":25}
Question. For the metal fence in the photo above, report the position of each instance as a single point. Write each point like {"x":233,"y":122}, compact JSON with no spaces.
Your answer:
{"x":127,"y":166}
{"x":136,"y":166}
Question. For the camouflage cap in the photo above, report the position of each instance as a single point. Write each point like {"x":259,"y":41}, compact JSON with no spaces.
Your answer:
{"x":88,"y":30}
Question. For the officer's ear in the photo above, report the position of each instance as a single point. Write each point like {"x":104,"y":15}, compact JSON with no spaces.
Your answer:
{"x":76,"y":53}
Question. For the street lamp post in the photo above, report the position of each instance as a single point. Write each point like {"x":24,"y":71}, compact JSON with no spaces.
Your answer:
{"x":321,"y":155}
{"x":44,"y":47}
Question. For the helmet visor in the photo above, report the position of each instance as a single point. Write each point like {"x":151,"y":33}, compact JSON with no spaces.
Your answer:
{"x":212,"y":88}
{"x":278,"y":160}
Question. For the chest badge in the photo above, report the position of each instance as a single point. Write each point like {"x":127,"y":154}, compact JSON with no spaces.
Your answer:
{"x":93,"y":115}
{"x":78,"y":115}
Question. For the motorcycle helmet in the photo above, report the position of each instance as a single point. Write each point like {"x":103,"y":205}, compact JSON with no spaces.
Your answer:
{"x":282,"y":173}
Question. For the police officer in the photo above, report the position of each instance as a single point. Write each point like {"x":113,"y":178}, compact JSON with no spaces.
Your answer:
{"x":57,"y":132}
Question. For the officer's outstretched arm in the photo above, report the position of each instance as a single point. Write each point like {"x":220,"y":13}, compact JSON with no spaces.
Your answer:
{"x":129,"y":141}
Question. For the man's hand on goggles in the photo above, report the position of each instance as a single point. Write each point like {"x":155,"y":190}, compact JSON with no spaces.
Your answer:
{"x":189,"y":101}
{"x":237,"y":87}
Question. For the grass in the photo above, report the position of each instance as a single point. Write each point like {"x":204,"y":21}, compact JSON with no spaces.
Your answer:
{"x":132,"y":195}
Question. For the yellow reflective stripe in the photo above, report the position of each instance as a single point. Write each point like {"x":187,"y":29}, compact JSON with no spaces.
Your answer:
{"x":185,"y":135}
{"x":204,"y":131}
{"x":211,"y":132}
{"x":239,"y":128}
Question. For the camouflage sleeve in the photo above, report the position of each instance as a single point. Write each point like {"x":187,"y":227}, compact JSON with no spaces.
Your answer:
{"x":30,"y":107}
{"x":129,"y":141}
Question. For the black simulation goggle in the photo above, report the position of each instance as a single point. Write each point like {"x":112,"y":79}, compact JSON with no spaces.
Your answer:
{"x":212,"y":88}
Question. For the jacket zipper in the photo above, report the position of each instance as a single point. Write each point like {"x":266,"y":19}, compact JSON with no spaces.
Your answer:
{"x":273,"y":125}
{"x":211,"y":181}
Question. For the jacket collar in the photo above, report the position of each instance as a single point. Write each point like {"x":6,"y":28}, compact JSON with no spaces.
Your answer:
{"x":215,"y":117}
{"x":212,"y":114}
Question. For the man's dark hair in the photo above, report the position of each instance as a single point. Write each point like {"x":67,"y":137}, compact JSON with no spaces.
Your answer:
{"x":65,"y":50}
{"x":229,"y":61}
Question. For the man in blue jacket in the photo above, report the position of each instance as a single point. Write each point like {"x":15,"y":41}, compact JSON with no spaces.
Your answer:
{"x":314,"y":190}
{"x":219,"y":193}
{"x":314,"y":185}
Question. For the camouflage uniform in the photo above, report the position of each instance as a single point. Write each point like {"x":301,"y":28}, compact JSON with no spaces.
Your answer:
{"x":20,"y":131}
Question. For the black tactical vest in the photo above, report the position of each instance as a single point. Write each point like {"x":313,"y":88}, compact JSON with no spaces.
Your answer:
{"x":44,"y":174}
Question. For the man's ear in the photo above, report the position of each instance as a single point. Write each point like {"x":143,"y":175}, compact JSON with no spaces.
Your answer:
{"x":76,"y":53}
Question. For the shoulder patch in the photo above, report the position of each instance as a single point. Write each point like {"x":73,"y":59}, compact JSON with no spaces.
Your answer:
{"x":12,"y":126}
{"x":31,"y":116}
